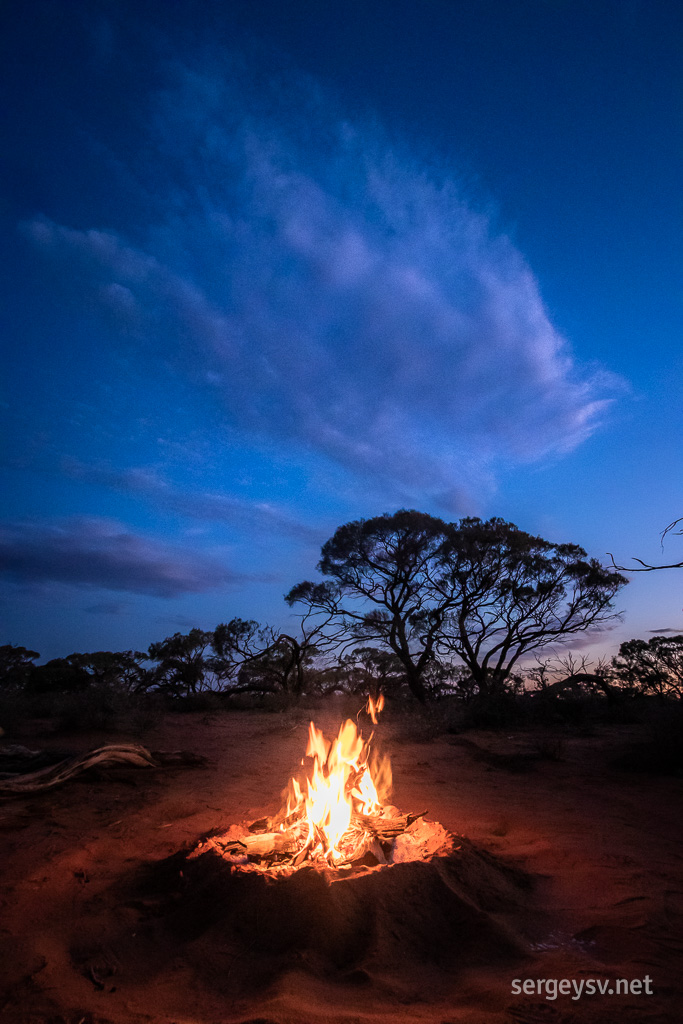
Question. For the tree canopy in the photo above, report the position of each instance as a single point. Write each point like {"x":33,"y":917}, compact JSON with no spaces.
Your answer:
{"x":405,"y":599}
{"x":16,"y":665}
{"x":516,"y":593}
{"x":485,"y":592}
{"x":382,"y":587}
{"x":652,"y":666}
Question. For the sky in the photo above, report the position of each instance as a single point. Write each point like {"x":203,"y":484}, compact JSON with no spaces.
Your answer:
{"x":269,"y":268}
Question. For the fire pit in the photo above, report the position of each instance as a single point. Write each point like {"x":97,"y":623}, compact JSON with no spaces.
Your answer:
{"x":335,"y":815}
{"x":338,"y":898}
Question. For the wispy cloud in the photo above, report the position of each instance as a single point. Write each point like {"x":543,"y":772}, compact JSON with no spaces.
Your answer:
{"x":176,"y":621}
{"x":107,"y":608}
{"x":258,"y":516}
{"x":90,"y":552}
{"x":337,"y":294}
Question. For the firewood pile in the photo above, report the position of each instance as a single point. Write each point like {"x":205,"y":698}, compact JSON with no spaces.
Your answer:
{"x":282,"y":847}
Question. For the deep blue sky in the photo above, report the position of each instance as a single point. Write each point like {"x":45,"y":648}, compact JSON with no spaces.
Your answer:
{"x":270,"y":267}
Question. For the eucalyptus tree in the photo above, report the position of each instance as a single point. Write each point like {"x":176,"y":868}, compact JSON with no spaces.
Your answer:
{"x":181,"y":662}
{"x":235,"y":644}
{"x":122,"y":669}
{"x":485,"y":593}
{"x":515,"y":593}
{"x":381,"y":588}
{"x":16,"y":665}
{"x":374,"y":670}
{"x":652,"y":666}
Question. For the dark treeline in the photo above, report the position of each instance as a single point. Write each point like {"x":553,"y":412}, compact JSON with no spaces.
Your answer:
{"x":185,"y":664}
{"x":408,"y":604}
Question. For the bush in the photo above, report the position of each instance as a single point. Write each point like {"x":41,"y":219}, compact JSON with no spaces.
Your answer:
{"x":97,"y":709}
{"x":661,"y":752}
{"x":206,"y":701}
{"x":498,"y":711}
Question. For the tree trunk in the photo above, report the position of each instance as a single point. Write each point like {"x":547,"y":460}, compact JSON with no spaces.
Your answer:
{"x":416,"y":685}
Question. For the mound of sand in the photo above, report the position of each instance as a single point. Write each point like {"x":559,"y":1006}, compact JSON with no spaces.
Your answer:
{"x":403,"y":927}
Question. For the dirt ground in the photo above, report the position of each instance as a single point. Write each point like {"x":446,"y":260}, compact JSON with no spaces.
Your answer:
{"x":568,"y":869}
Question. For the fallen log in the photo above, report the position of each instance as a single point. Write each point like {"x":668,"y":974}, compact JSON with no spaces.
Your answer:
{"x":179,"y":759}
{"x":127,"y":754}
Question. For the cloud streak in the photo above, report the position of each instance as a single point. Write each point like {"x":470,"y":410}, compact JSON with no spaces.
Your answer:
{"x":92,"y":552}
{"x":338,"y":295}
{"x":259,"y":516}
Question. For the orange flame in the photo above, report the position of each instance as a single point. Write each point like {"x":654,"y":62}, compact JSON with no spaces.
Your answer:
{"x":347,"y":778}
{"x":374,"y":707}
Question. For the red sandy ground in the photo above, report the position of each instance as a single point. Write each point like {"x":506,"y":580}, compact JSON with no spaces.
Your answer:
{"x":604,"y":847}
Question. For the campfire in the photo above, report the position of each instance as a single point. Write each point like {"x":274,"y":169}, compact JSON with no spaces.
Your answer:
{"x":335,"y":815}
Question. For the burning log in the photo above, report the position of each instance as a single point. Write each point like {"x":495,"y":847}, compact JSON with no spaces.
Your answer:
{"x":383,"y":828}
{"x":281,"y":820}
{"x":293,"y":847}
{"x":264,"y":845}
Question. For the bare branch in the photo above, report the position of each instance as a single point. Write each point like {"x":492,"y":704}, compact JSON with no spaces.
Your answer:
{"x":646,"y":566}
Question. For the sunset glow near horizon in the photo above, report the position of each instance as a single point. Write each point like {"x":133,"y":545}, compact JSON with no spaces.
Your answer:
{"x":270,"y":270}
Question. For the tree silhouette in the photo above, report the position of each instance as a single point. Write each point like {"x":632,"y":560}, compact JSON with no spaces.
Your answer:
{"x":485,"y":592}
{"x":381,"y":587}
{"x":123,"y":669}
{"x":376,"y":671}
{"x":16,"y":665}
{"x":281,"y":667}
{"x":207,"y":659}
{"x":317,"y":635}
{"x":652,"y":666}
{"x":60,"y":675}
{"x":235,"y":644}
{"x":517,"y":593}
{"x":181,"y":661}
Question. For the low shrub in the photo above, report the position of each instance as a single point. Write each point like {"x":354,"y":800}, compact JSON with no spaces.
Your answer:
{"x":661,"y":751}
{"x":96,"y":709}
